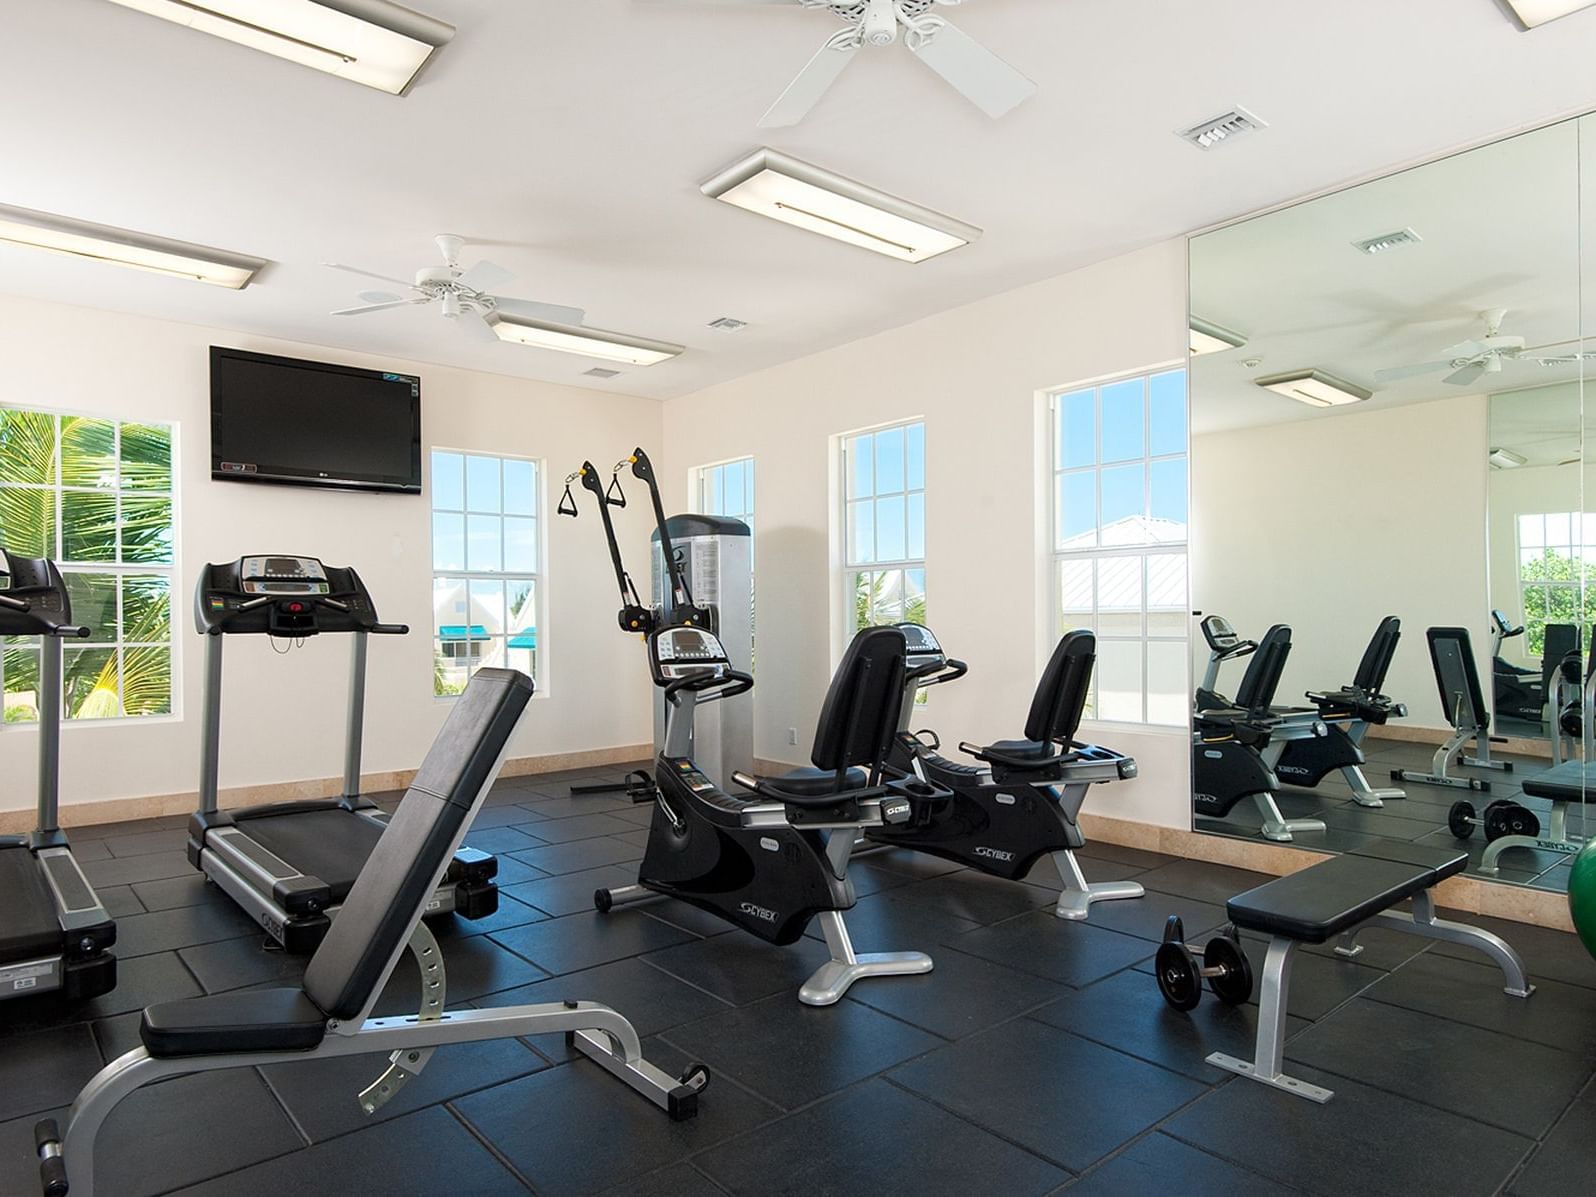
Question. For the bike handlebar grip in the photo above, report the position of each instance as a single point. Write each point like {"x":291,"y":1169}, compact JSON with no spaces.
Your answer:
{"x":390,"y":629}
{"x":68,"y":631}
{"x":52,"y":1165}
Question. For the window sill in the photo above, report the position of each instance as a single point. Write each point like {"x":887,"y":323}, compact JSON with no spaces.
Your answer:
{"x":1142,"y":729}
{"x":118,"y":721}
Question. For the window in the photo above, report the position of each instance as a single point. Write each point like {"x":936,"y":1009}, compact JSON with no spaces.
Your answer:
{"x":1556,"y":552}
{"x":95,"y":496}
{"x":1119,"y":540}
{"x":728,"y":490}
{"x":884,"y":523}
{"x":485,"y":566}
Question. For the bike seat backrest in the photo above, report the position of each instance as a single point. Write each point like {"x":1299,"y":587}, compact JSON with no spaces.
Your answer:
{"x":1559,"y":640}
{"x":860,"y":714}
{"x":1061,"y":694}
{"x":1457,"y":679}
{"x":404,"y":869}
{"x":1377,"y":657}
{"x":1262,"y":679}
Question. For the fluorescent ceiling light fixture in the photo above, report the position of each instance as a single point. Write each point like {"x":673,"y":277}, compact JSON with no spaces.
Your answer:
{"x":1506,"y":459}
{"x":1315,"y":388}
{"x":122,"y":247}
{"x":586,"y":342}
{"x":374,"y":42}
{"x":805,"y":196}
{"x":1531,"y":13}
{"x":1211,"y":338}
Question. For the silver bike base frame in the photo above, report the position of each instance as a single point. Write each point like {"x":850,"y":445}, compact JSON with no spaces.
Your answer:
{"x":1076,"y":898}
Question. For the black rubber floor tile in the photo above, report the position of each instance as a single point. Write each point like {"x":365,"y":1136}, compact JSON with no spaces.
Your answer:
{"x":514,"y":872}
{"x":577,"y":855}
{"x":1409,"y":824}
{"x":1127,"y":1012}
{"x":192,"y":889}
{"x":85,"y":850}
{"x":678,"y":1180}
{"x":1201,"y":880}
{"x":142,"y":981}
{"x":1556,"y":1014}
{"x":791,"y":1054}
{"x":237,"y":963}
{"x":576,"y":1130}
{"x":637,"y":837}
{"x":498,"y":841}
{"x":581,"y":827}
{"x":578,"y":941}
{"x":19,"y":1162}
{"x":570,"y":892}
{"x":126,"y":870}
{"x":585,"y":804}
{"x":1382,"y":948}
{"x":474,"y":966}
{"x":740,"y":968}
{"x":1145,"y":917}
{"x":120,"y":901}
{"x":960,"y":996}
{"x":143,"y":843}
{"x":420,"y":1155}
{"x":99,"y":831}
{"x":1071,"y":1125}
{"x":46,"y":1068}
{"x":1363,"y":1141}
{"x":1041,"y":943}
{"x":1159,"y":1164}
{"x":896,"y":920}
{"x":918,"y":866}
{"x":877,"y":1139}
{"x":1510,"y":1083}
{"x":505,"y":815}
{"x":977,"y":898}
{"x":1549,"y":954}
{"x":638,"y":816}
{"x":320,"y":1095}
{"x":1138,"y":858}
{"x":118,"y":1034}
{"x":191,"y":1129}
{"x":511,"y":913}
{"x":181,"y":927}
{"x":688,"y":918}
{"x":1566,"y":1160}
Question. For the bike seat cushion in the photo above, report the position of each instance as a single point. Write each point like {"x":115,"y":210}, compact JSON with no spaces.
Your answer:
{"x":1022,"y":748}
{"x":817,"y":783}
{"x":255,"y":1020}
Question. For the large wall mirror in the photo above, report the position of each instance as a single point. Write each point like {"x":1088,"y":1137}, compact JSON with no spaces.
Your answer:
{"x":1391,"y":540}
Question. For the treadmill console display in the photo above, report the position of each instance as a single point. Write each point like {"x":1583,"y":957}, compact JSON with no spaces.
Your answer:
{"x":682,"y":651}
{"x":282,"y":575}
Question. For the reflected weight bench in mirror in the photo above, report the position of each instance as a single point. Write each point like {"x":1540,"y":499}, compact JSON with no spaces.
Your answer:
{"x":1340,"y":897}
{"x":1463,"y":703}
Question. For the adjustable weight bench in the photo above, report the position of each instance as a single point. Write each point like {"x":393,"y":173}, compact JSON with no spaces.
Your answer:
{"x":1463,"y":703}
{"x":330,"y":1014}
{"x":1340,"y":897}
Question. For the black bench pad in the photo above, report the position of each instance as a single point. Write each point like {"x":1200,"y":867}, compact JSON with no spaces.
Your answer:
{"x":1568,"y":782}
{"x":256,"y":1020}
{"x":1323,"y":900}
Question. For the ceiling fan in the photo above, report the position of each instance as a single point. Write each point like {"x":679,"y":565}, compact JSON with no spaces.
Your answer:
{"x":983,"y":78}
{"x":1470,"y":360}
{"x":462,"y":295}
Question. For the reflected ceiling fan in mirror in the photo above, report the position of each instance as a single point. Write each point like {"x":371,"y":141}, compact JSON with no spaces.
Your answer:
{"x":1469,"y":361}
{"x":976,"y":73}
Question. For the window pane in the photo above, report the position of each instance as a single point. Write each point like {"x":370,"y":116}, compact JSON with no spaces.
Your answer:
{"x":1124,"y":436}
{"x":1119,"y":680}
{"x":732,"y":497}
{"x":1168,"y":609}
{"x":861,"y":462}
{"x":862,"y":532}
{"x":748,"y":494}
{"x":448,"y":481}
{"x":448,"y":541}
{"x":146,"y":530}
{"x":147,"y":680}
{"x":916,"y":527}
{"x":484,"y":554}
{"x":93,"y":598}
{"x":487,"y":609}
{"x":1167,"y":402}
{"x":1168,"y":689}
{"x":1075,"y":595}
{"x":885,"y":598}
{"x":889,"y":460}
{"x":451,"y":635}
{"x":27,"y":446}
{"x":482,"y":484}
{"x":21,"y":668}
{"x":520,"y":545}
{"x":1077,"y":429}
{"x":914,"y":595}
{"x":146,"y":609}
{"x":891,"y":544}
{"x":146,"y":457}
{"x":522,"y":636}
{"x":1531,"y":531}
{"x":1557,"y":529}
{"x":1077,"y":515}
{"x":27,"y":520}
{"x":916,"y":456}
{"x":1167,"y":506}
{"x":91,"y":683}
{"x":88,"y":526}
{"x":520,"y":487}
{"x":1119,"y":596}
{"x":1124,"y":501}
{"x":860,"y":585}
{"x":88,"y":452}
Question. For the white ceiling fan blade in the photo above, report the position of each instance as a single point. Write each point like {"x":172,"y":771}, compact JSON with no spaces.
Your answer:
{"x":804,"y":92}
{"x":384,"y":278}
{"x":484,"y":276}
{"x":378,"y":307}
{"x":379,"y":297}
{"x":1397,"y":373}
{"x":1465,"y":349}
{"x":476,"y":327}
{"x":548,"y":313}
{"x":1466,"y":375}
{"x":979,"y":75}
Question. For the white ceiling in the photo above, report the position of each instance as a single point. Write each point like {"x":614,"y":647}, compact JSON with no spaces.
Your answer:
{"x":568,"y":138}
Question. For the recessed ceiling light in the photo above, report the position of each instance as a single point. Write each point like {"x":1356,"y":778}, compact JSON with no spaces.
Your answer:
{"x":1211,"y":338}
{"x":806,"y":196}
{"x":1506,"y":459}
{"x":1315,"y":388}
{"x":123,"y":247}
{"x":728,"y":324}
{"x":374,"y":42}
{"x":588,"y":342}
{"x":1215,"y":131}
{"x":601,"y":372}
{"x":1387,"y":241}
{"x":1531,"y":13}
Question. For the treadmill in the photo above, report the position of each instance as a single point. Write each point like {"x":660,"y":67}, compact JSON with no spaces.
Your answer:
{"x":54,"y":934}
{"x":290,"y":865}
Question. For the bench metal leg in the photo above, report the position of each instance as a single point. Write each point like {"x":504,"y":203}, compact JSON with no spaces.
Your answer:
{"x":1556,"y":839}
{"x":1276,"y":826}
{"x":1423,"y":922}
{"x":1076,"y":898}
{"x":1270,"y":1053}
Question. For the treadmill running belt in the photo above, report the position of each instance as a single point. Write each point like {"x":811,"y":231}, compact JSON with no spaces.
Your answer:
{"x":30,"y":927}
{"x":328,"y":844}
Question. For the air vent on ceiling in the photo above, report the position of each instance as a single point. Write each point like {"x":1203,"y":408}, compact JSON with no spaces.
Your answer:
{"x":728,"y":324}
{"x":1385,"y":241}
{"x":601,"y":372}
{"x":1223,"y":128}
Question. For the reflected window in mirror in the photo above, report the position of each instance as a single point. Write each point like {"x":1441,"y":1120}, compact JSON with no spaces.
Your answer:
{"x":1119,"y":515}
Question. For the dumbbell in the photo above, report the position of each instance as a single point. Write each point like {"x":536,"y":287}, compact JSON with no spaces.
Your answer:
{"x":1224,"y":966}
{"x":1501,"y":818}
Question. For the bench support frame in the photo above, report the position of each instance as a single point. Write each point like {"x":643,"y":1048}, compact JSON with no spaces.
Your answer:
{"x":1268,"y":1063}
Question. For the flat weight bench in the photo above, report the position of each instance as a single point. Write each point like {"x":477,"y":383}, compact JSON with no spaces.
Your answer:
{"x":1340,"y":897}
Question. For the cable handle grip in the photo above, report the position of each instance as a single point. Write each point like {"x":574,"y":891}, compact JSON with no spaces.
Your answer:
{"x":52,"y":1165}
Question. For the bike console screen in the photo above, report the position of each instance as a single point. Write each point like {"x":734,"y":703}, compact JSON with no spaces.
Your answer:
{"x":682,"y":651}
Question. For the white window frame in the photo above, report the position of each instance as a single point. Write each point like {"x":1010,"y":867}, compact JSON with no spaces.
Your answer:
{"x":119,"y":569}
{"x":1058,"y":556}
{"x":1573,"y":549}
{"x":702,"y":480}
{"x":538,"y":577}
{"x":849,"y":567}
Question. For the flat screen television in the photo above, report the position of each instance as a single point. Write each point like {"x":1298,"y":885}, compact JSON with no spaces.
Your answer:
{"x":283,"y":420}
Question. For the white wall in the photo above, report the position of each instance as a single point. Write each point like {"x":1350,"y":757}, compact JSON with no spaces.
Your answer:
{"x":1330,"y":524}
{"x":974,"y":374}
{"x":284,"y":718}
